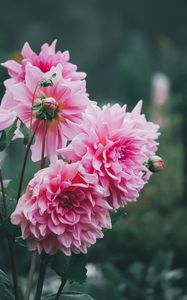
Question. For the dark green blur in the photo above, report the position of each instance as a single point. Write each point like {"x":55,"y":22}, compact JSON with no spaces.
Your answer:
{"x":120,"y":44}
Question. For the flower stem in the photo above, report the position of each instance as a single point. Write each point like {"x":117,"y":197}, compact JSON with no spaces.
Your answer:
{"x":63,"y":282}
{"x":3,"y":195}
{"x":30,"y":277}
{"x":42,"y":272}
{"x":25,"y":161}
{"x":43,"y":146}
{"x":13,"y":267}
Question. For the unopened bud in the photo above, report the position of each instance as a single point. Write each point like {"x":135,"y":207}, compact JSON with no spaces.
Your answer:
{"x":155,"y":164}
{"x":50,"y":104}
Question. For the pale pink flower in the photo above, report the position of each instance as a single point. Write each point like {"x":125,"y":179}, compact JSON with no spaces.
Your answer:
{"x":160,"y":89}
{"x":63,"y":209}
{"x":115,"y":146}
{"x":47,"y":58}
{"x":62,"y":104}
{"x":7,"y":118}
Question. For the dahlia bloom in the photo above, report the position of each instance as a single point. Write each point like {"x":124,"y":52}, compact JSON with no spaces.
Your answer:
{"x":115,"y":145}
{"x":51,"y":104}
{"x":45,"y":60}
{"x":63,"y":209}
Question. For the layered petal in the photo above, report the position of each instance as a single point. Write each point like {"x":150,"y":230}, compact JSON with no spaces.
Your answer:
{"x":63,"y":209}
{"x":115,"y":145}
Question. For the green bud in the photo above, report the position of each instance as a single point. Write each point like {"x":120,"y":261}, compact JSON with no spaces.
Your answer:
{"x":155,"y":163}
{"x":46,"y":83}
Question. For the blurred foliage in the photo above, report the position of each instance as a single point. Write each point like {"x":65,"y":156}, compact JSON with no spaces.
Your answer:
{"x":121,"y":44}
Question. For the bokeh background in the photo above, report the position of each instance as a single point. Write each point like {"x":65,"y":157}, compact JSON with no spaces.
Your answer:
{"x":130,"y":50}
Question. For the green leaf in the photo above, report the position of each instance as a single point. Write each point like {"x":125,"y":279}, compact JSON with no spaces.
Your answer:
{"x":7,"y":136}
{"x":19,"y":240}
{"x":11,"y":189}
{"x":11,"y":204}
{"x":46,"y":83}
{"x":41,"y":115}
{"x":6,"y":291}
{"x":26,"y":133}
{"x":69,"y":296}
{"x":6,"y":227}
{"x":36,"y":107}
{"x":3,"y":141}
{"x":71,"y":268}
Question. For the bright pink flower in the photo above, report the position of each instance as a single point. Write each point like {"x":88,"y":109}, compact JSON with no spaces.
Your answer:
{"x":63,"y":209}
{"x":6,"y":118}
{"x":55,"y":110}
{"x":47,"y":58}
{"x":115,"y":146}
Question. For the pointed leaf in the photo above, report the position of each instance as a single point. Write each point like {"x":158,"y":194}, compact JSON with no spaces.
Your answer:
{"x":11,"y":189}
{"x":6,"y":227}
{"x":7,"y":136}
{"x":19,"y":240}
{"x":3,"y":141}
{"x":26,"y":133}
{"x":71,"y":268}
{"x":36,"y":107}
{"x":6,"y":291}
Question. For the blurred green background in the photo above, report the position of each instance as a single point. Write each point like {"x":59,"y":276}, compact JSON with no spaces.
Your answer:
{"x":130,"y":50}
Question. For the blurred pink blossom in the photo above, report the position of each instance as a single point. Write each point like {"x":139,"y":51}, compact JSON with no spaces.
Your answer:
{"x":47,"y":58}
{"x":160,"y":89}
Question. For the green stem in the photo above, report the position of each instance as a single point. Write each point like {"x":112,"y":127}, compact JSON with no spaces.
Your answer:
{"x":63,"y":283}
{"x":3,"y":195}
{"x":43,"y":146}
{"x":33,"y":260}
{"x":42,"y":272}
{"x":13,"y":267}
{"x":30,"y":277}
{"x":25,"y":161}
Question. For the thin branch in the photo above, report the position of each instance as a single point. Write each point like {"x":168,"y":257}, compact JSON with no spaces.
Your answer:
{"x":25,"y":161}
{"x":33,"y":260}
{"x":30,"y":277}
{"x":43,"y":146}
{"x":3,"y":194}
{"x":63,"y":283}
{"x":41,"y":277}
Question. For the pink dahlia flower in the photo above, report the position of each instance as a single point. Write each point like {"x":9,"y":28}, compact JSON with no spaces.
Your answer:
{"x":51,"y":104}
{"x":63,"y":209}
{"x":115,"y":146}
{"x":45,"y":60}
{"x":7,"y":118}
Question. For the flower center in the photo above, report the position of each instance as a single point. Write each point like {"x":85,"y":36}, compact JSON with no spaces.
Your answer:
{"x":66,"y":200}
{"x":122,"y":154}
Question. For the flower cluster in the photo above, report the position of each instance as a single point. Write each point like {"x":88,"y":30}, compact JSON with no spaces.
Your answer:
{"x":109,"y":157}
